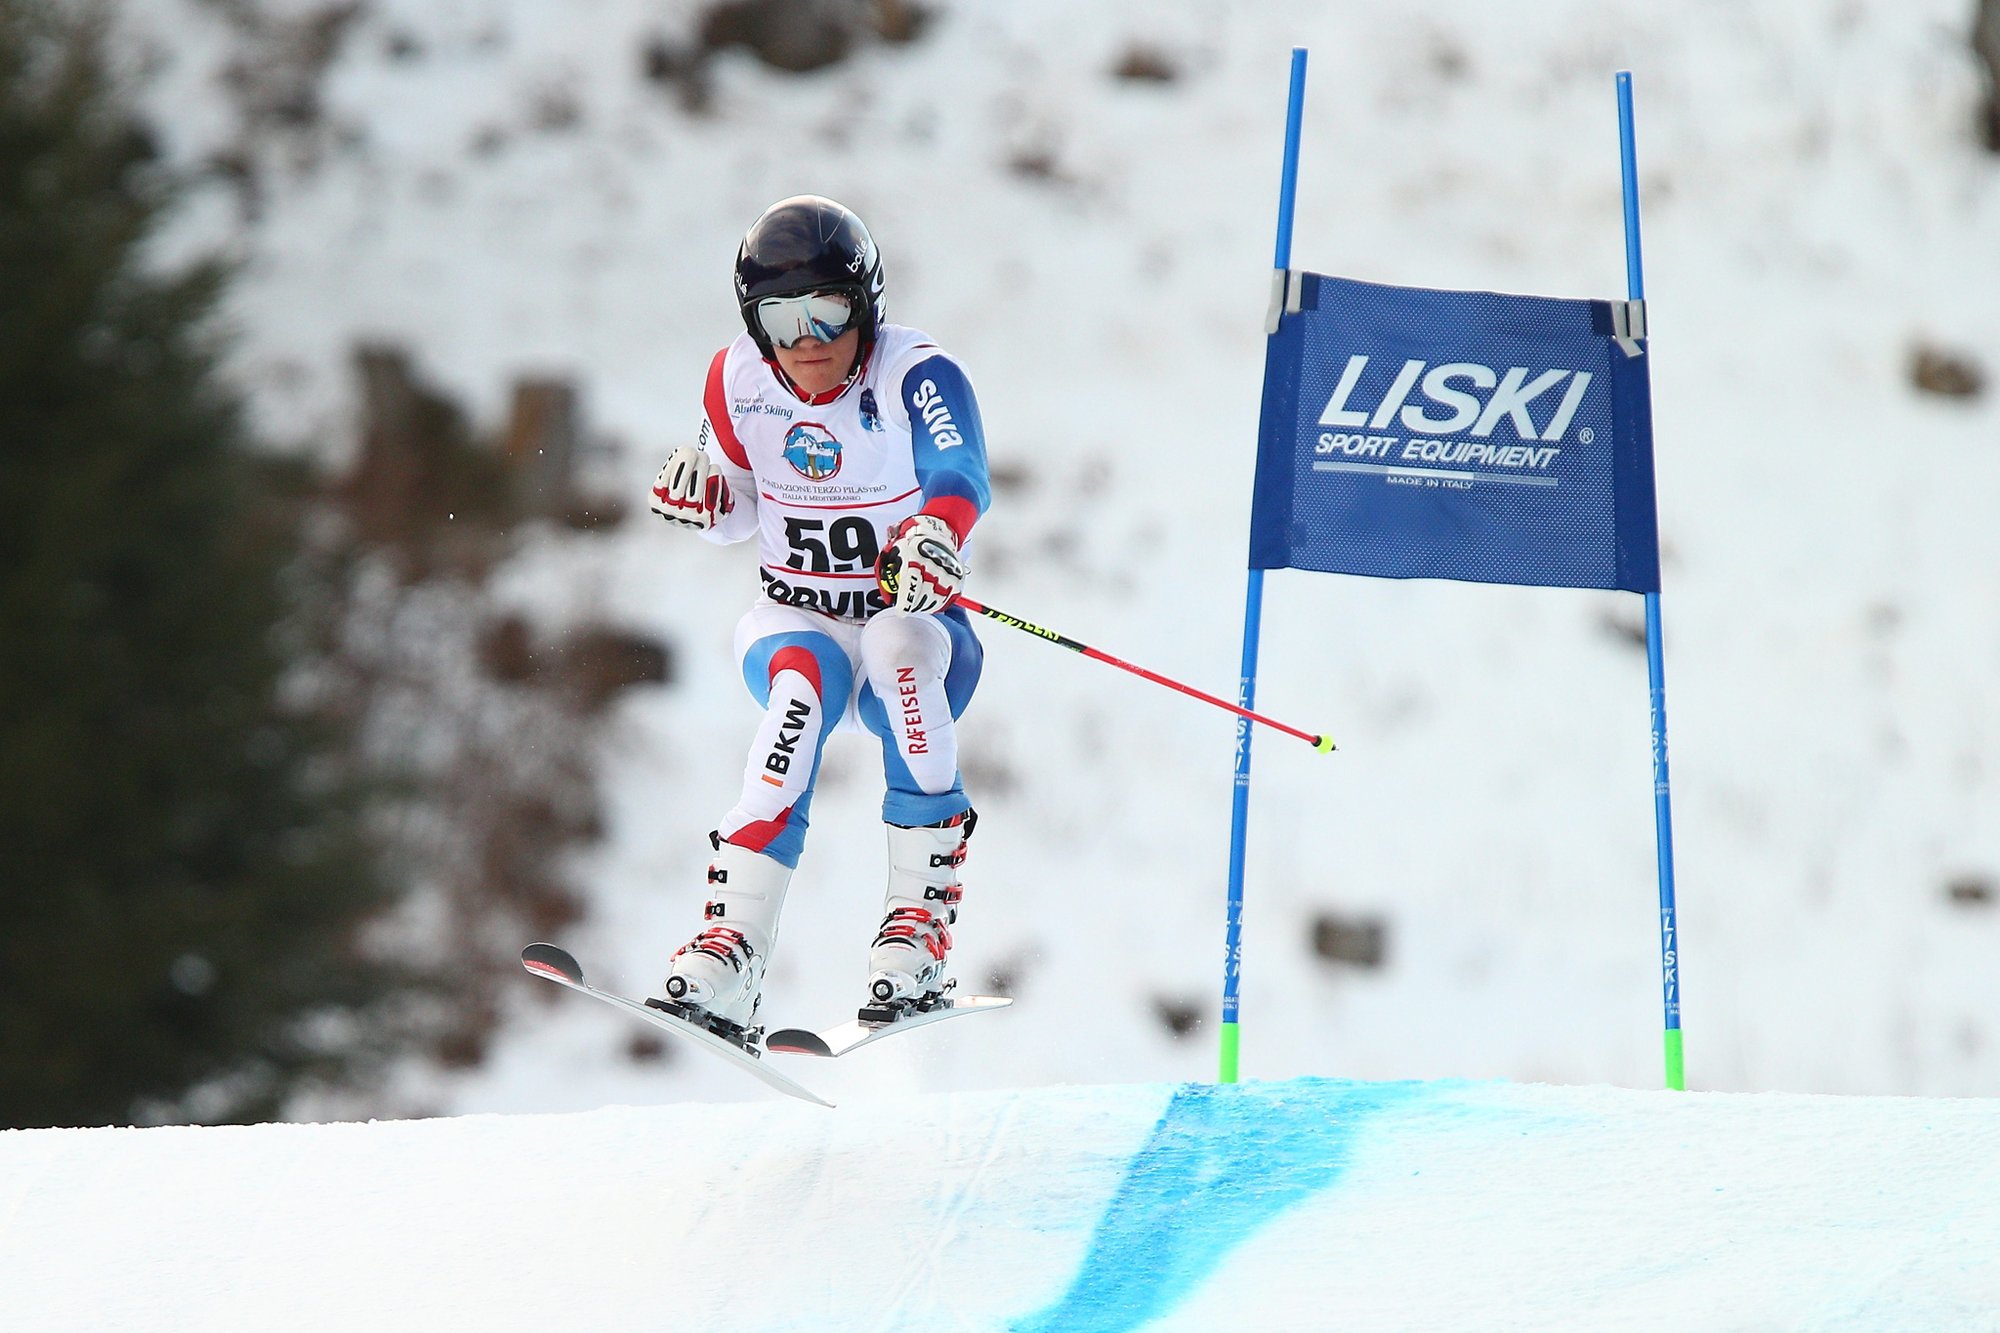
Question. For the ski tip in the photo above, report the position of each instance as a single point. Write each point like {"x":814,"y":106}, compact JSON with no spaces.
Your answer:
{"x":797,"y":1041}
{"x":546,"y":960}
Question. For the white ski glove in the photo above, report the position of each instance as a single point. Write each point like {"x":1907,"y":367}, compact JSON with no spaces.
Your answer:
{"x":921,"y":570}
{"x":690,"y":490}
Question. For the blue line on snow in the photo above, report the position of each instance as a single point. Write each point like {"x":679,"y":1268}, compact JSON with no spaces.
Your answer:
{"x":1223,"y":1161}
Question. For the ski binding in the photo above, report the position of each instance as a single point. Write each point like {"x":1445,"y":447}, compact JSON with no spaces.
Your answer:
{"x":739,"y":1046}
{"x":879,"y":1020}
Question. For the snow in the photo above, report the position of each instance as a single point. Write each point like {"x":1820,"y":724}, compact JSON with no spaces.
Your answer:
{"x":1301,"y":1204}
{"x":1813,"y":206}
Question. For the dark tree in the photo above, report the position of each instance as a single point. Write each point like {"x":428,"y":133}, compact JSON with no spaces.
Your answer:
{"x":184,"y":859}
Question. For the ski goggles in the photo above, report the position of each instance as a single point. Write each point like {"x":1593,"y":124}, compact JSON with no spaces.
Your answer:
{"x":822,"y":315}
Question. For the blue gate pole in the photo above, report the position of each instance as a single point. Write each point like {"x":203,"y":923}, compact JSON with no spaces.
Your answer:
{"x":1656,"y":674}
{"x":1253,"y":618}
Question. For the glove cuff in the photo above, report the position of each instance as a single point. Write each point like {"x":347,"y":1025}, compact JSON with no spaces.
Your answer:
{"x":929,"y":525}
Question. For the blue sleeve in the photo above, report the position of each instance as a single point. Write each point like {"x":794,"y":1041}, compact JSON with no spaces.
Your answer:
{"x":948,"y":442}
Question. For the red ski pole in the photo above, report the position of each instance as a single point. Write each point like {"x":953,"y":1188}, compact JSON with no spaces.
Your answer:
{"x":1324,"y":744}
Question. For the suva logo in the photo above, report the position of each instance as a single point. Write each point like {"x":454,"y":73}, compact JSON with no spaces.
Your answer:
{"x":1512,"y":394}
{"x":812,"y":451}
{"x":930,"y":404}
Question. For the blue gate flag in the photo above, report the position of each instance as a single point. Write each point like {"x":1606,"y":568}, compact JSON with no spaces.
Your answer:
{"x":1411,"y":433}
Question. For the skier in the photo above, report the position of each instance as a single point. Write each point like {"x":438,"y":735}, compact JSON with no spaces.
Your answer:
{"x":851,"y":449}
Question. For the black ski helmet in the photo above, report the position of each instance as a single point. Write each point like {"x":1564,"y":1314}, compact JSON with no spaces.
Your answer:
{"x":809,"y":244}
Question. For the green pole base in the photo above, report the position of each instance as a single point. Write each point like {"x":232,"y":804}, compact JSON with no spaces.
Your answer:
{"x":1676,"y":1069}
{"x":1229,"y":1049}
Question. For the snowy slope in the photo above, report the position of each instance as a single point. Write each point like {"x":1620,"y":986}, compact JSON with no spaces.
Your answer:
{"x":1303,"y":1204}
{"x":1813,"y":206}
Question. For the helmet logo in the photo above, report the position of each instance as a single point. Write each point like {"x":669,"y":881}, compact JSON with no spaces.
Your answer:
{"x":812,"y":451}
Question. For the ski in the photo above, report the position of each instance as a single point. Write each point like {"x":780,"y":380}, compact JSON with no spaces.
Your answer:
{"x":555,"y":964}
{"x":874,"y":1023}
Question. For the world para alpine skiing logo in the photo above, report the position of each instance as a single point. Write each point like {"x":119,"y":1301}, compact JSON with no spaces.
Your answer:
{"x":812,"y":451}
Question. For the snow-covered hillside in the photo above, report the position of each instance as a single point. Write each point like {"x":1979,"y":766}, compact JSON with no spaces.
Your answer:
{"x":1305,"y":1204}
{"x":1097,"y":251}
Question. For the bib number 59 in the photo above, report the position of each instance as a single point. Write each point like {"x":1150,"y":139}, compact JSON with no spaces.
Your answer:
{"x":844,"y":546}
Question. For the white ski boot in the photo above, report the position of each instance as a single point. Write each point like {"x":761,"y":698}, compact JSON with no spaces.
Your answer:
{"x":717,"y":978}
{"x":907,"y":962}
